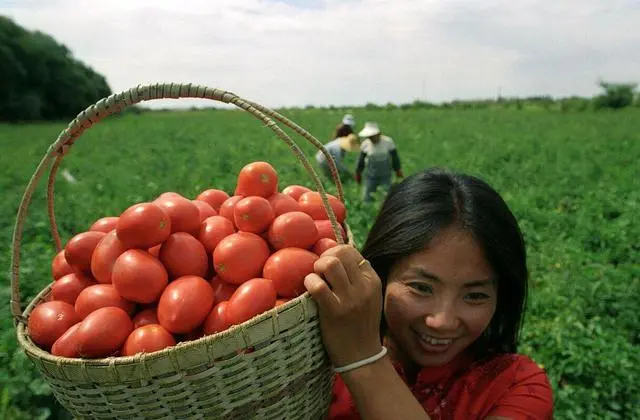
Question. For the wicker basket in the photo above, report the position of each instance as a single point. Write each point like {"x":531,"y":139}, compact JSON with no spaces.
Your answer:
{"x":286,"y":376}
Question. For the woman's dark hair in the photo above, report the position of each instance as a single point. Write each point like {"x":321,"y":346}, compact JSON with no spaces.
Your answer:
{"x":424,"y":204}
{"x":342,"y":130}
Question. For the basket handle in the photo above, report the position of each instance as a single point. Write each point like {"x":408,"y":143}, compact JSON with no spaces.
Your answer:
{"x":116,"y":103}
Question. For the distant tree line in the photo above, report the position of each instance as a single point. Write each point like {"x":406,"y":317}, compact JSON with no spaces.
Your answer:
{"x":40,"y":79}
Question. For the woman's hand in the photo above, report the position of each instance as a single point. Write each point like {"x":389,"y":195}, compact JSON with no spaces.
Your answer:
{"x":349,"y":297}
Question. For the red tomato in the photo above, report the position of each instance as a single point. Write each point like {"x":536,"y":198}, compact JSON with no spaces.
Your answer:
{"x":139,"y":277}
{"x":184,"y":304}
{"x":49,"y":320}
{"x":221,"y":289}
{"x":204,"y":209}
{"x":66,"y":345}
{"x":155,"y":250}
{"x":105,"y":255}
{"x":67,"y":288}
{"x":295,"y":191}
{"x":99,"y":296}
{"x":216,"y":321}
{"x":79,"y":249}
{"x":295,"y":229}
{"x":240,"y":257}
{"x":145,"y":317}
{"x":282,"y":301}
{"x":257,"y":178}
{"x":226,"y":209}
{"x":214,"y":197}
{"x":287,"y":268}
{"x":326,"y":231}
{"x":169,"y":194}
{"x":252,"y":298}
{"x":184,"y":255}
{"x":103,"y":332}
{"x":184,"y":214}
{"x":322,"y":245}
{"x":59,"y":266}
{"x":213,"y":230}
{"x":143,"y":225}
{"x":312,"y":204}
{"x":105,"y":224}
{"x":283,"y":203}
{"x":253,"y":214}
{"x":147,"y":339}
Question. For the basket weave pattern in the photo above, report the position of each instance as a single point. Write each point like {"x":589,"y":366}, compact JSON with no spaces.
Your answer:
{"x":271,"y":367}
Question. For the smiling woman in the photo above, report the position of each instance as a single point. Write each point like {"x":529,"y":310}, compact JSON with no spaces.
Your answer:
{"x":444,"y":293}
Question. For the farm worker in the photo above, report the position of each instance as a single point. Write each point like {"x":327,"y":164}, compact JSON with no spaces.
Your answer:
{"x":344,"y":140}
{"x":424,"y":322}
{"x":378,"y":157}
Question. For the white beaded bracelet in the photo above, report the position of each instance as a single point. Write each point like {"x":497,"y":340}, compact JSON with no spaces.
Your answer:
{"x":362,"y":362}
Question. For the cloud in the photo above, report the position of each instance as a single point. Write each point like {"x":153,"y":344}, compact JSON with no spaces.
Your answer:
{"x":343,"y":52}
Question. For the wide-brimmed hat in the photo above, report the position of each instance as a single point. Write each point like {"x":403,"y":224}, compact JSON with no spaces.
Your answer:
{"x":370,"y":129}
{"x":350,"y":142}
{"x":349,"y":120}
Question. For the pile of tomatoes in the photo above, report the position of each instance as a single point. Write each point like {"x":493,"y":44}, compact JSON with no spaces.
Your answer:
{"x":176,"y":269}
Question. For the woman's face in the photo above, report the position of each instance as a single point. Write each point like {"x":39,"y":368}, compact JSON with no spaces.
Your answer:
{"x":440,"y":300}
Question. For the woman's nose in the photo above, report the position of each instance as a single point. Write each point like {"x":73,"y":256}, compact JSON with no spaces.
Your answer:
{"x":443,"y":318}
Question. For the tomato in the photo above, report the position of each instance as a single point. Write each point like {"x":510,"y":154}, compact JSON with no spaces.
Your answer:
{"x":49,"y":320}
{"x":184,"y":304}
{"x":252,"y":298}
{"x":322,"y":245}
{"x":287,"y":268}
{"x":143,"y":225}
{"x":59,"y":266}
{"x":282,"y":301}
{"x":103,"y":332}
{"x":184,"y":214}
{"x":168,"y":194}
{"x":282,"y":203}
{"x":221,"y":289}
{"x":240,"y":257}
{"x":312,"y":204}
{"x":214,"y":197}
{"x":105,"y":255}
{"x":253,"y":214}
{"x":105,"y":224}
{"x":145,"y":317}
{"x":99,"y":296}
{"x":67,"y":288}
{"x":257,"y":178}
{"x":79,"y":249}
{"x":139,"y":277}
{"x":325,"y":230}
{"x":294,"y":229}
{"x":226,"y":209}
{"x":66,"y":345}
{"x":184,"y":255}
{"x":147,"y":339}
{"x":216,"y":321}
{"x":204,"y":210}
{"x":213,"y":230}
{"x":295,"y":191}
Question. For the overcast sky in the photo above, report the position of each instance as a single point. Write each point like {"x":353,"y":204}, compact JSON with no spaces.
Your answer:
{"x":349,"y":52}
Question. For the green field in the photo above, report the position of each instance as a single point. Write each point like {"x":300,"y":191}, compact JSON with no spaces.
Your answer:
{"x":572,"y":179}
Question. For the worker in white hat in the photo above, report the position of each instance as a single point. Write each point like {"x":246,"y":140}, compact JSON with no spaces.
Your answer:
{"x":378,"y":159}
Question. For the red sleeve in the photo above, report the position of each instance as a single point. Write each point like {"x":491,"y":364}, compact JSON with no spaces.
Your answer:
{"x":342,"y":407}
{"x":529,"y":398}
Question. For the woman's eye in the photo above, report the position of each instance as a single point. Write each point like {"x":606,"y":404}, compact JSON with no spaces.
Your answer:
{"x":421,"y":287}
{"x":477,"y":296}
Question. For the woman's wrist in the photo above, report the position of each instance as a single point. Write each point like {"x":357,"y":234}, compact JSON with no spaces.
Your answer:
{"x":362,"y":362}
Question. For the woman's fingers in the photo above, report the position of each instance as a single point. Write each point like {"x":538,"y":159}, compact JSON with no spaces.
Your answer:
{"x":332,"y":269}
{"x":320,"y":291}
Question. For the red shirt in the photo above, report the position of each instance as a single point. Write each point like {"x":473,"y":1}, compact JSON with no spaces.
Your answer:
{"x":507,"y":385}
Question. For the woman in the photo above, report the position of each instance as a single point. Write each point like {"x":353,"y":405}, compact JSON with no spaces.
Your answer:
{"x":378,"y":158}
{"x":442,"y":279}
{"x":344,"y":140}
